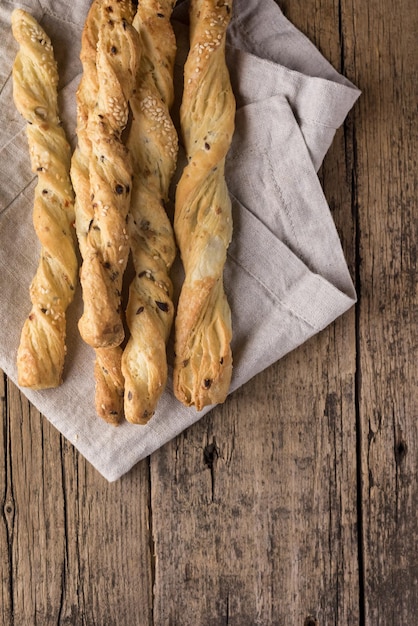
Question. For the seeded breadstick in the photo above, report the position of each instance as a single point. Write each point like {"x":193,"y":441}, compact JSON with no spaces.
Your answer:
{"x":109,"y":387}
{"x":153,"y":146}
{"x":106,"y":245}
{"x":41,"y":353}
{"x":107,"y":369}
{"x":203,"y":224}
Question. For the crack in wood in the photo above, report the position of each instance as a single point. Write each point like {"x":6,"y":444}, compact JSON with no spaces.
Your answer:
{"x":9,"y":508}
{"x":210,"y":458}
{"x":66,"y":549}
{"x":151,"y":544}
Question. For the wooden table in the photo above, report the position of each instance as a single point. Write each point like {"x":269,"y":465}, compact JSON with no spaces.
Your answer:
{"x":295,"y":503}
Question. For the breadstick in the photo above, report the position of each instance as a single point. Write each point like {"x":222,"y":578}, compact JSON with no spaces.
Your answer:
{"x":107,"y":369}
{"x":108,"y":397}
{"x":203,"y":224}
{"x":41,"y":353}
{"x":106,"y":245}
{"x":153,"y":146}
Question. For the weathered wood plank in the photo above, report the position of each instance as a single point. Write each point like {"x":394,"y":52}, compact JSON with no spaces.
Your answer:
{"x":254,"y":508}
{"x":75,"y":549}
{"x":386,"y":49}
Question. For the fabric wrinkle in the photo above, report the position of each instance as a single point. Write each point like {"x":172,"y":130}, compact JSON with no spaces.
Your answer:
{"x":286,"y":271}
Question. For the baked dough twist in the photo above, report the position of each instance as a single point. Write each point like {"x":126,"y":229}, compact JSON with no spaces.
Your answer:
{"x":203,"y":224}
{"x":106,"y":246}
{"x":153,"y":146}
{"x":41,"y":353}
{"x":107,"y":368}
{"x":100,"y":24}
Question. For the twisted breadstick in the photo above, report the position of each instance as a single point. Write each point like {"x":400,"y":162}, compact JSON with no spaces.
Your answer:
{"x":41,"y":353}
{"x":203,"y":224}
{"x":153,"y":145}
{"x":107,"y":369}
{"x":106,"y":242}
{"x":109,"y":386}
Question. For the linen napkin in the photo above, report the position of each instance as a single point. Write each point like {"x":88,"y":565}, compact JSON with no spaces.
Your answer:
{"x":286,"y":277}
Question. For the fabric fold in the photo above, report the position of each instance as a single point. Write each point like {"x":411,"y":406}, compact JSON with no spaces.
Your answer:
{"x":269,"y":152}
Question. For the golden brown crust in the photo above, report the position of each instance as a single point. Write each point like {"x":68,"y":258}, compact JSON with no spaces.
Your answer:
{"x":153,"y":146}
{"x":109,"y":384}
{"x":203,"y":224}
{"x":108,"y":402}
{"x":86,"y":99}
{"x":109,"y":56}
{"x":41,"y":353}
{"x":104,"y":238}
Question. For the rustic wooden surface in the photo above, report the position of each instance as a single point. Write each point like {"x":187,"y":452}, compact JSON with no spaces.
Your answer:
{"x":295,"y":503}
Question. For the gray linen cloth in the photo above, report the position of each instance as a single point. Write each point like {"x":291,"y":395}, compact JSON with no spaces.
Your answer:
{"x":286,"y":277}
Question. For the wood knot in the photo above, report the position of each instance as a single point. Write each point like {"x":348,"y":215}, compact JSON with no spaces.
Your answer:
{"x":401,"y":450}
{"x":210,"y":455}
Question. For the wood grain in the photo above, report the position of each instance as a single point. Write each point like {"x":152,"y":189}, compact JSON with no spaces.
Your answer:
{"x":75,"y":548}
{"x":263,"y":502}
{"x":295,"y":502}
{"x":388,"y":307}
